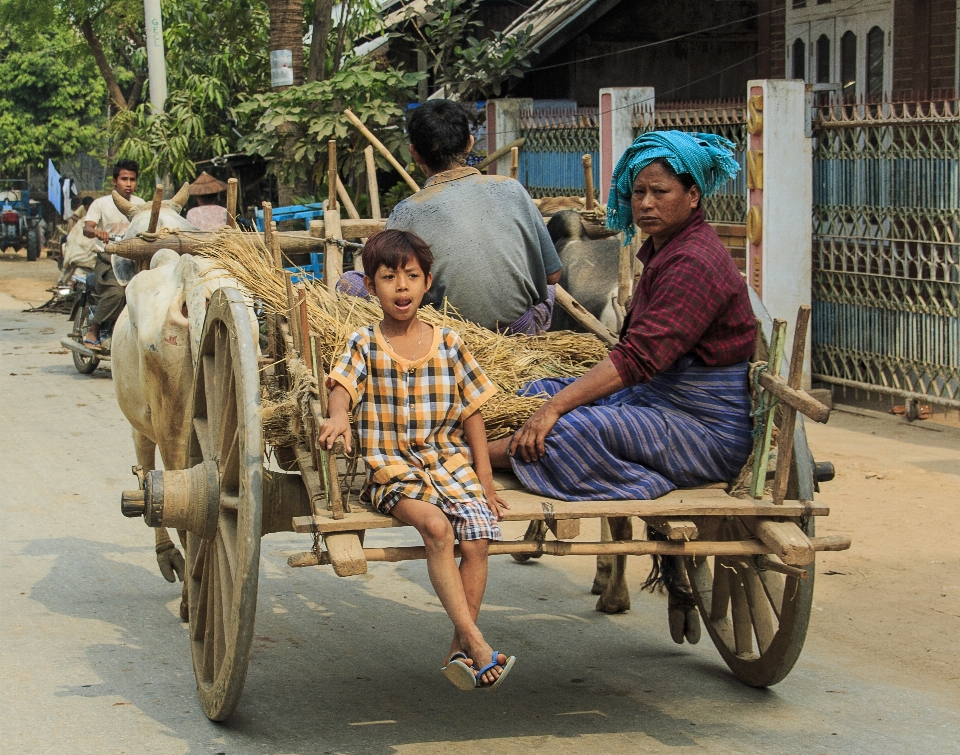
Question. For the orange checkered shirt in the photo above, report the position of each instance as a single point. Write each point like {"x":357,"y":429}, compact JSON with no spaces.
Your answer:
{"x":409,"y":416}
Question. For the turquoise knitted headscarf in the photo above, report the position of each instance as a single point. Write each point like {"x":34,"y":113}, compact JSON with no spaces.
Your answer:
{"x":706,"y":157}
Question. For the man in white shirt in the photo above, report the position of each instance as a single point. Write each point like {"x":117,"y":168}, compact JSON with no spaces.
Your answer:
{"x":102,"y":221}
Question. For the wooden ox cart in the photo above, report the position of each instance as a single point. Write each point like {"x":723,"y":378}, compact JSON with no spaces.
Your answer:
{"x":750,"y":561}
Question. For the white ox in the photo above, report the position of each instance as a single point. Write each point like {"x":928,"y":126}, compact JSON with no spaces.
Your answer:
{"x":154,"y":355}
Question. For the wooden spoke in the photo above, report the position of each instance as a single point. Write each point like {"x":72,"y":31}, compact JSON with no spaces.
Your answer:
{"x":720,"y":598}
{"x":222,"y":589}
{"x":740,"y":610}
{"x":230,"y":467}
{"x":773,"y":587}
{"x":227,"y":539}
{"x":760,"y":610}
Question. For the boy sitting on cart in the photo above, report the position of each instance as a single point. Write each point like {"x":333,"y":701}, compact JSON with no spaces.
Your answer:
{"x":416,"y":394}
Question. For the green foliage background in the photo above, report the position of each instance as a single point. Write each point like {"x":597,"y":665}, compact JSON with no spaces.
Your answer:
{"x":52,"y":100}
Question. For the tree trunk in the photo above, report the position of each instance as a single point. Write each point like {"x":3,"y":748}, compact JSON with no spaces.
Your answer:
{"x":286,"y":33}
{"x":322,"y":23}
{"x":116,"y":96}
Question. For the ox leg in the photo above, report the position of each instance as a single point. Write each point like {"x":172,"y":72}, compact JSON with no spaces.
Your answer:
{"x":615,"y":597}
{"x":604,"y":563}
{"x":169,"y":559}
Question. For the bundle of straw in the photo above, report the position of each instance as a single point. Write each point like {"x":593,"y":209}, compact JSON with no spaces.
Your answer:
{"x":509,"y":361}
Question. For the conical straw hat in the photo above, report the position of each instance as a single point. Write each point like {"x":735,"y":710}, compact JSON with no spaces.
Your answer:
{"x":206,"y":184}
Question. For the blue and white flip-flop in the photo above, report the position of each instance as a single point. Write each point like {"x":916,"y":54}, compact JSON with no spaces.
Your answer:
{"x":459,"y":672}
{"x":493,"y":664}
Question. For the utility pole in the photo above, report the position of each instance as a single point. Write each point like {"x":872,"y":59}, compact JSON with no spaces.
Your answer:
{"x":156,"y":63}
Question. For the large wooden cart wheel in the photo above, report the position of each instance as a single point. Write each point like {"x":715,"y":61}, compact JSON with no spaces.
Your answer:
{"x":222,"y":572}
{"x":757,"y":618}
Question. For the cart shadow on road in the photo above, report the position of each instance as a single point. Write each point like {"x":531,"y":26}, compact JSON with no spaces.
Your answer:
{"x":346,"y":671}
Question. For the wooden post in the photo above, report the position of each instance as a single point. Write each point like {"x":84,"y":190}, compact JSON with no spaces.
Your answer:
{"x":155,"y":209}
{"x":380,"y":148}
{"x":625,"y":275}
{"x":332,"y":174}
{"x":789,"y":413}
{"x":332,"y":254}
{"x":347,"y":202}
{"x":587,"y":161}
{"x":579,"y":313}
{"x":761,"y":448}
{"x":275,"y":246}
{"x":292,"y":317}
{"x":267,"y":225}
{"x":373,"y":189}
{"x":514,"y":162}
{"x":306,"y":350}
{"x":232,"y":186}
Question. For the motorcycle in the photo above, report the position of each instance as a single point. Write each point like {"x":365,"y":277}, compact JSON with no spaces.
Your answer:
{"x":85,"y":358}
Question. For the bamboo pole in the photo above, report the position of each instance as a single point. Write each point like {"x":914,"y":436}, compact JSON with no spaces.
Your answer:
{"x":232,"y":188}
{"x":514,"y":162}
{"x":579,"y":313}
{"x":564,"y":548}
{"x":587,"y":161}
{"x":155,"y":209}
{"x":383,"y":150}
{"x":332,"y":178}
{"x":498,"y":153}
{"x":347,"y":202}
{"x":373,"y":189}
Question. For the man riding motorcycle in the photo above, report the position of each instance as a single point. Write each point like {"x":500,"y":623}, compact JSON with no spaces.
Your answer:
{"x":103,"y":221}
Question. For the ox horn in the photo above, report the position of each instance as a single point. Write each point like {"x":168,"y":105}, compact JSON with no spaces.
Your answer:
{"x":127,"y":207}
{"x":181,"y":197}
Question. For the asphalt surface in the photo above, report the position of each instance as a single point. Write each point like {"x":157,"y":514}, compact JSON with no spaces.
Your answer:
{"x":95,"y":660}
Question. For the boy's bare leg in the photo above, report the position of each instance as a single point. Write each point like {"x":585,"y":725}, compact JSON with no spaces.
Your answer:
{"x":499,"y":458}
{"x":438,"y":537}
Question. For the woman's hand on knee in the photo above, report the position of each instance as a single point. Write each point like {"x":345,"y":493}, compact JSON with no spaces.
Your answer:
{"x":529,"y":440}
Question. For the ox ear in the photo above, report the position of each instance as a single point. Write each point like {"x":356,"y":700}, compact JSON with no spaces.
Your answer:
{"x":126,"y":207}
{"x":181,"y":197}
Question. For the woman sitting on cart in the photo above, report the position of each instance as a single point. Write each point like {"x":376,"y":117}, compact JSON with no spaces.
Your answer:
{"x":669,"y":406}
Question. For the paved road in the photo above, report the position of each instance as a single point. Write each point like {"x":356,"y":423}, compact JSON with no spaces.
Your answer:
{"x":95,"y":660}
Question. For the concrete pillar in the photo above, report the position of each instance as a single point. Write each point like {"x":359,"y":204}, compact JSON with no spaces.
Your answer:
{"x":780,"y":199}
{"x":503,"y":127}
{"x":616,"y":127}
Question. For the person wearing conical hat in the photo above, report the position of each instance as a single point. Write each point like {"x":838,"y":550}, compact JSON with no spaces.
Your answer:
{"x":207,"y":215}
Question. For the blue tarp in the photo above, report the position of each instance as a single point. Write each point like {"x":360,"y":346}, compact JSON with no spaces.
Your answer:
{"x":54,"y":192}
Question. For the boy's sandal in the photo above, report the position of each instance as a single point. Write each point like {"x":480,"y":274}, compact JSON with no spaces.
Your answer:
{"x":91,"y":344}
{"x":493,"y":664}
{"x":459,"y":672}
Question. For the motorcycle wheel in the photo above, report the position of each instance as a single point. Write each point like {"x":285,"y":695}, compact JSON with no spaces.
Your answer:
{"x":84,"y":365}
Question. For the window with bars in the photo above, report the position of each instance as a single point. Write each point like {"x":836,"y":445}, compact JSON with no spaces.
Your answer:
{"x":799,"y":59}
{"x":875,"y":62}
{"x":823,"y":59}
{"x":848,"y":65}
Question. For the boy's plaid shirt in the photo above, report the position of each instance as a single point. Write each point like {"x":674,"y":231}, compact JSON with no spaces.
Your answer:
{"x":409,"y":415}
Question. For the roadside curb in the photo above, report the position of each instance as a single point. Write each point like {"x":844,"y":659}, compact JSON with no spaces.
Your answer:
{"x":919,"y":424}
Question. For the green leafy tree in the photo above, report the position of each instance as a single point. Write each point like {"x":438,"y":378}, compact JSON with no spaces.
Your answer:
{"x":469,"y":68}
{"x":216,"y":54}
{"x":316,"y":108}
{"x":52,"y":99}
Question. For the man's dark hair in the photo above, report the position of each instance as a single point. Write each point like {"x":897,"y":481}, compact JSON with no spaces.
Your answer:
{"x":86,"y":202}
{"x":131,"y":165}
{"x":440,"y":131}
{"x":393,"y":249}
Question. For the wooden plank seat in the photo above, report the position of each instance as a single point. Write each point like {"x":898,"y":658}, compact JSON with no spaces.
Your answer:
{"x":673,"y":514}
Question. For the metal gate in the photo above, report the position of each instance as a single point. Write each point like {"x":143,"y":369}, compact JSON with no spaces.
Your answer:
{"x":886,"y":248}
{"x":557,"y":138}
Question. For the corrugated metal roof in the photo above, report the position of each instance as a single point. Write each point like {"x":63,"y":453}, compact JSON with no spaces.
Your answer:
{"x":549,"y":18}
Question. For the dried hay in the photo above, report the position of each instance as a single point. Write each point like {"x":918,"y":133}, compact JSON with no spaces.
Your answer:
{"x":509,"y":361}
